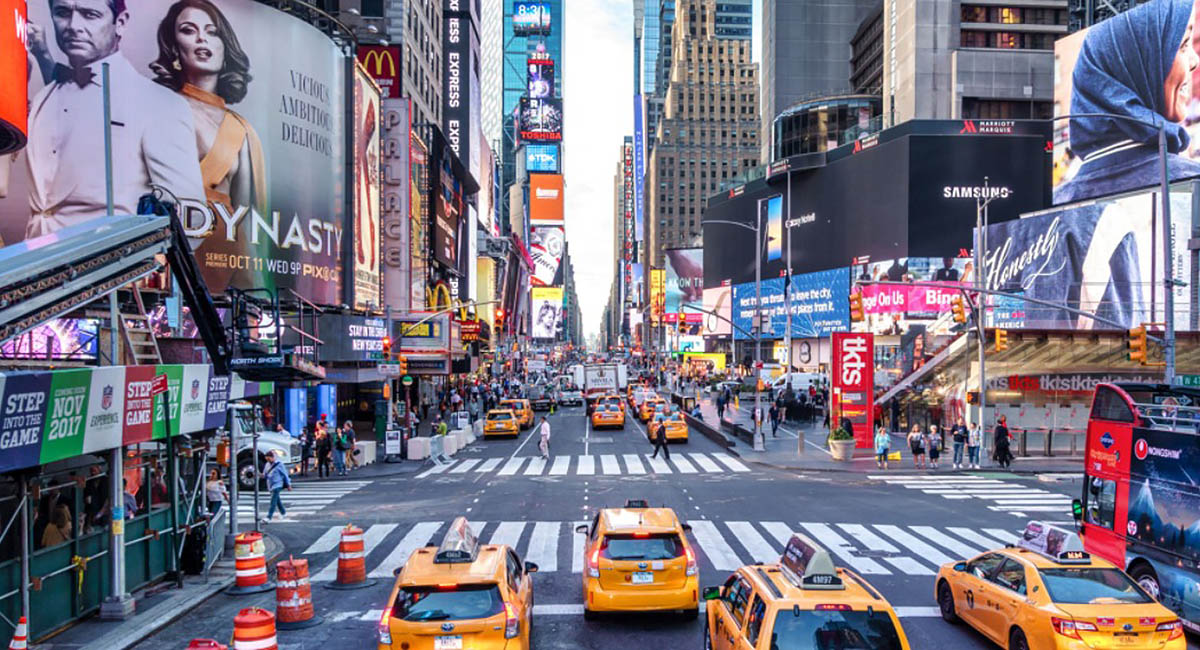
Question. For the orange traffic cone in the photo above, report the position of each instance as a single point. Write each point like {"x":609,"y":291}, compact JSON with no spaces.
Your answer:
{"x":19,"y":636}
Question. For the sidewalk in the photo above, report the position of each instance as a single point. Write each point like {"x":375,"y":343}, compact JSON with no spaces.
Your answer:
{"x":801,"y":447}
{"x":379,"y":469}
{"x":157,"y":607}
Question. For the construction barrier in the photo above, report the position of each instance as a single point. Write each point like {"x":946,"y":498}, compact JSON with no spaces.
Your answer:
{"x":254,"y":629}
{"x":250,"y":565}
{"x":19,"y":640}
{"x":352,"y":561}
{"x":293,"y":596}
{"x":206,"y":644}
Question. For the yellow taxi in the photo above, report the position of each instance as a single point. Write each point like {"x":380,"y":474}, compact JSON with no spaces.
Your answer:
{"x":460,"y":595}
{"x":804,"y":601}
{"x":677,"y":429}
{"x":501,"y":422}
{"x":638,"y":559}
{"x":1047,"y":592}
{"x":613,"y":399}
{"x":649,"y":406}
{"x":522,"y":409}
{"x":608,"y":415}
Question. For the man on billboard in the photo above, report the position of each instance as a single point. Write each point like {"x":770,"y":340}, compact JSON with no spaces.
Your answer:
{"x":1139,"y":64}
{"x":153,"y":134}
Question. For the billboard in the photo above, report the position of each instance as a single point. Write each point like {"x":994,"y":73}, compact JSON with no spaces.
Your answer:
{"x":421,"y":332}
{"x":458,"y":72}
{"x":418,"y":223}
{"x":546,"y":199}
{"x":1140,"y":65}
{"x":449,"y":213}
{"x":13,"y":101}
{"x":547,"y":311}
{"x":57,"y":339}
{"x":382,"y":62}
{"x":541,"y":158}
{"x":639,"y":165}
{"x":1100,"y":257}
{"x":700,"y":364}
{"x":541,"y":76}
{"x":685,"y":278}
{"x":853,"y":384}
{"x":255,"y":152}
{"x":394,"y":251}
{"x":546,"y":247}
{"x":541,"y":119}
{"x":347,"y":337}
{"x":658,"y":281}
{"x":773,"y":206}
{"x":366,"y":191}
{"x":531,"y":19}
{"x":818,"y":302}
{"x":720,"y":300}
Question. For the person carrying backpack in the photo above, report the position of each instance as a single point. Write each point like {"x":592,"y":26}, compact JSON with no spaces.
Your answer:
{"x":277,"y":480}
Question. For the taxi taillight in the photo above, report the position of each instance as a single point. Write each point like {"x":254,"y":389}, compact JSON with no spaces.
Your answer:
{"x":594,"y":564}
{"x":512,"y":624}
{"x":691,"y":561}
{"x":385,"y":630}
{"x":1070,"y":627}
{"x":1174,"y":627}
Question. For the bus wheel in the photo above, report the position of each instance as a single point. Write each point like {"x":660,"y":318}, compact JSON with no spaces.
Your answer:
{"x":1145,"y":576}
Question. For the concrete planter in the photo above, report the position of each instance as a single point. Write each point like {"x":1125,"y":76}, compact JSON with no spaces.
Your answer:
{"x":842,"y":450}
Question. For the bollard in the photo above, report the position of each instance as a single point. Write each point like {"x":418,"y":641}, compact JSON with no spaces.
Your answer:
{"x":293,"y":596}
{"x":250,"y":565}
{"x":352,"y":560}
{"x":254,"y":629}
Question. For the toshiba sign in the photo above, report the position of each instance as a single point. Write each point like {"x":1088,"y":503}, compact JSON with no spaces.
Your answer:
{"x":546,"y":199}
{"x":854,"y":383}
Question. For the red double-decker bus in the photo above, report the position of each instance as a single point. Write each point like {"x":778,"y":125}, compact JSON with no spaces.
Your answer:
{"x":1141,"y":492}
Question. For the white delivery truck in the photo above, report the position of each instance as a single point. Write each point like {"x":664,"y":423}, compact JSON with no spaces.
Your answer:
{"x":247,"y":424}
{"x":601,"y":378}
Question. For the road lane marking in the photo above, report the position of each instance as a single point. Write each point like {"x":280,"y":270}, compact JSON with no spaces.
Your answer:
{"x":535,"y":467}
{"x":577,"y":540}
{"x":682,"y":466}
{"x":732,"y":463}
{"x":921,"y":549}
{"x":633,"y":464}
{"x":968,"y":534}
{"x":417,"y":537}
{"x":465,"y":466}
{"x":945,"y":541}
{"x":489,"y":465}
{"x":511,"y":467}
{"x":507,"y":533}
{"x":759,"y":548}
{"x":1005,"y":537}
{"x":561,"y":465}
{"x":838,"y":545}
{"x":713,"y":545}
{"x":659,"y":465}
{"x":437,"y":469}
{"x":608,"y":464}
{"x":874,"y":542}
{"x":371,"y":538}
{"x":576,"y":609}
{"x":587,"y":465}
{"x":704,"y":462}
{"x":543,"y":546}
{"x":326,"y":542}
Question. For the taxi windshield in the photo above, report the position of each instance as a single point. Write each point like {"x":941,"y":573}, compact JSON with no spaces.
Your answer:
{"x":511,"y":404}
{"x":642,"y":547}
{"x":1089,"y":585}
{"x":499,"y":416}
{"x":834,"y":630}
{"x":447,"y":603}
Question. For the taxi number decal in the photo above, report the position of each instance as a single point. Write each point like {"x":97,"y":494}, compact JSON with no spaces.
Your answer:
{"x":970,"y":600}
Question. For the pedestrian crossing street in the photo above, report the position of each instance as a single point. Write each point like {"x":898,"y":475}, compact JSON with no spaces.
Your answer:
{"x":593,"y":465}
{"x":870,"y":549}
{"x":306,"y":498}
{"x":1013,"y":498}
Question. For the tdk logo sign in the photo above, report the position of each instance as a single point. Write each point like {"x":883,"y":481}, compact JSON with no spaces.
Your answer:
{"x":541,"y":158}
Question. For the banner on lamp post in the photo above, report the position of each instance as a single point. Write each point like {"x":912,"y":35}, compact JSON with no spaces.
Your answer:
{"x":853,"y":384}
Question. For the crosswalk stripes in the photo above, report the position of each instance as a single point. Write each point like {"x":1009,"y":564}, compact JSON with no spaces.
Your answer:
{"x":587,"y":465}
{"x":306,"y":498}
{"x":1014,"y":498}
{"x":541,"y":610}
{"x":870,"y":549}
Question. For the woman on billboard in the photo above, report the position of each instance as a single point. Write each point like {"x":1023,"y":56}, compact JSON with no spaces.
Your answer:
{"x":200,"y":58}
{"x":1139,"y":64}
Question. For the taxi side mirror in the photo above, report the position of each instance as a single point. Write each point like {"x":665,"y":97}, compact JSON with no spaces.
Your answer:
{"x":711,"y":593}
{"x":961,"y":566}
{"x":530,"y":567}
{"x":686,"y":527}
{"x":397,"y":570}
{"x":582,"y":529}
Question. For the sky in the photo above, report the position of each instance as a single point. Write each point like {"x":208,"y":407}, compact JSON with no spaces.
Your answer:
{"x":597,"y":88}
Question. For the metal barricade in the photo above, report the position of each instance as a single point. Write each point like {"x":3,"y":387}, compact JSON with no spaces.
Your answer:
{"x":218,"y":527}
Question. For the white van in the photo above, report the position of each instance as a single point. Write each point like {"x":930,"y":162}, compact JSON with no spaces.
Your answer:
{"x":799,"y":381}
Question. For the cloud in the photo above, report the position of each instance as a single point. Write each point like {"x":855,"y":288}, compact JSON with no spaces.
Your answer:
{"x":597,"y":88}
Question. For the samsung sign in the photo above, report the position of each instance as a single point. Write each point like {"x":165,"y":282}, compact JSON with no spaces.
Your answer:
{"x":541,"y":158}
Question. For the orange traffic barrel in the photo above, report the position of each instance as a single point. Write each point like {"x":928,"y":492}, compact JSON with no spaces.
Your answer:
{"x":352,"y":561}
{"x":20,"y":636}
{"x":293,"y":596}
{"x":250,"y":565}
{"x":254,"y":629}
{"x":206,"y":644}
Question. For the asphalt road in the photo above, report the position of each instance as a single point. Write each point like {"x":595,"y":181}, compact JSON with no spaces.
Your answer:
{"x":895,"y":531}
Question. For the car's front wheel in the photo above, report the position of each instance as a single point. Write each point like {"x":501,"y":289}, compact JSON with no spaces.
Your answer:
{"x":946,"y":602}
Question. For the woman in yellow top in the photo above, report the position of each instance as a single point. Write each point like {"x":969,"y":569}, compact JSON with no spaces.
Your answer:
{"x":200,"y":58}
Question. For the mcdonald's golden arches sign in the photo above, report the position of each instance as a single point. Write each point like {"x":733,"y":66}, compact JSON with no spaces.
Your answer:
{"x":383,"y":64}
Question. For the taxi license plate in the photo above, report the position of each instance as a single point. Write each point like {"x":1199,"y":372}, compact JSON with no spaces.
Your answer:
{"x":1126,"y":638}
{"x":447,"y":643}
{"x":642,"y":578}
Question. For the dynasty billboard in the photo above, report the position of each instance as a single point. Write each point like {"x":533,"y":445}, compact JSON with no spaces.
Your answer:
{"x":203,"y":107}
{"x":13,"y":101}
{"x":1140,"y":67}
{"x":365,"y":269}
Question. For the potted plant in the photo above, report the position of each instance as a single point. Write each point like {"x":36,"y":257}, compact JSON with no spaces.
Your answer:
{"x":841,"y":444}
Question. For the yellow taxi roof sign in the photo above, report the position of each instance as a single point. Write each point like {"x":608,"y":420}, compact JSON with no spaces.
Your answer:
{"x":1054,"y":543}
{"x":459,"y":545}
{"x":810,"y":566}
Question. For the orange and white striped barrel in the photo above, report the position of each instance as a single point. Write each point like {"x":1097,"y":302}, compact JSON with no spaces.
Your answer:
{"x":293,"y":593}
{"x":206,"y":644}
{"x":254,"y":629}
{"x":20,"y":636}
{"x":249,"y":560}
{"x":352,"y":560}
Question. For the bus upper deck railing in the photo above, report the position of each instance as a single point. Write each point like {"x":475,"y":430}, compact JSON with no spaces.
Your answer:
{"x":1172,"y":417}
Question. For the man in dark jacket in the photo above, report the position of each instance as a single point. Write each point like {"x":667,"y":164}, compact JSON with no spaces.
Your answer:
{"x":660,"y":441}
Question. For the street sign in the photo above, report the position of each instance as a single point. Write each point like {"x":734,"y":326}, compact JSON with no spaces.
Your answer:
{"x":158,"y":385}
{"x":407,"y":381}
{"x":389,"y":369}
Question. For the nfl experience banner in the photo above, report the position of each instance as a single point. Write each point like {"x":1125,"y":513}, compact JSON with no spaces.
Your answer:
{"x":249,"y":140}
{"x":53,"y":415}
{"x":365,"y":269}
{"x":853,"y":394}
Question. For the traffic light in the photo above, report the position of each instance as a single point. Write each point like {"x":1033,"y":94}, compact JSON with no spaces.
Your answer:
{"x":387,"y":347}
{"x":1137,"y":344}
{"x":682,"y":322}
{"x":402,"y":361}
{"x":1001,"y":340}
{"x":856,"y":308}
{"x":499,"y":320}
{"x":960,"y":311}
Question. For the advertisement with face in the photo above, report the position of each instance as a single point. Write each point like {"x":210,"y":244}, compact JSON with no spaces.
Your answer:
{"x":1142,"y":66}
{"x":366,"y":190}
{"x":719,"y":300}
{"x":1100,"y":258}
{"x":685,"y":278}
{"x":251,"y":145}
{"x":546,"y":245}
{"x":448,"y":216}
{"x":547,"y":311}
{"x":12,"y":78}
{"x":889,"y":308}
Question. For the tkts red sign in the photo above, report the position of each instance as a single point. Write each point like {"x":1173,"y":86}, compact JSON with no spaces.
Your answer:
{"x":853,"y":394}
